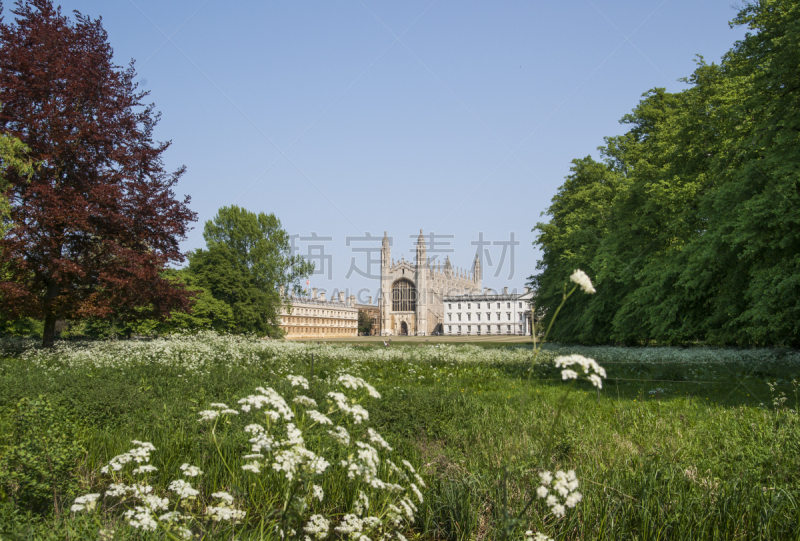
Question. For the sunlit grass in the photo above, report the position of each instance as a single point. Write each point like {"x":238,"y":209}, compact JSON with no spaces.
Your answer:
{"x":659,"y":459}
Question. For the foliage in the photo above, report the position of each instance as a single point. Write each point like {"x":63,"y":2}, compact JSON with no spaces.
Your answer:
{"x":12,"y":157}
{"x":42,"y":449}
{"x":247,"y":264}
{"x":364,"y":322}
{"x":96,"y":222}
{"x":690,"y":226}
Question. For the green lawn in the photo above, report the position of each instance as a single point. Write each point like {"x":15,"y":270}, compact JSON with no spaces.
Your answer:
{"x":663,"y":458}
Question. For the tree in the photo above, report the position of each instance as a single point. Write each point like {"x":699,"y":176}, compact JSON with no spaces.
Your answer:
{"x":97,"y":222}
{"x":246,"y":265}
{"x":364,"y":322}
{"x":12,"y":158}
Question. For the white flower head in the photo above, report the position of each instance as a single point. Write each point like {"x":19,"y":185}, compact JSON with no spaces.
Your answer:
{"x":583,"y":281}
{"x":191,"y":471}
{"x":298,"y":380}
{"x":305,"y":401}
{"x":86,"y":502}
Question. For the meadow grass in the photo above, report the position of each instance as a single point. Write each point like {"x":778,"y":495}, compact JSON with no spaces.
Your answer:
{"x":681,"y":443}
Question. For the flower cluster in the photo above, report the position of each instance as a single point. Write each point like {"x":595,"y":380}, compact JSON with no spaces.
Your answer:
{"x":593,"y":371}
{"x":280,"y":456}
{"x":561,"y":493}
{"x":538,"y":536}
{"x":147,"y":509}
{"x":356,"y":410}
{"x":583,"y":281}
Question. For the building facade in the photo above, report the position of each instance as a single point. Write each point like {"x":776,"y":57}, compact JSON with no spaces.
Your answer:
{"x":412,"y":293}
{"x":488,"y":314}
{"x":314,"y":317}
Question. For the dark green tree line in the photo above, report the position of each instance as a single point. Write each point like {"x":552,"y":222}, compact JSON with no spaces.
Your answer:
{"x":690,"y":224}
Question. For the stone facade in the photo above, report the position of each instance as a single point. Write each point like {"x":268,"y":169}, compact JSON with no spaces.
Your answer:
{"x":412,"y":294}
{"x":488,"y":314}
{"x":314,"y":317}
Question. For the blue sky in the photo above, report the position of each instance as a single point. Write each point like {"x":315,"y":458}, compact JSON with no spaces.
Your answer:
{"x":347,"y":118}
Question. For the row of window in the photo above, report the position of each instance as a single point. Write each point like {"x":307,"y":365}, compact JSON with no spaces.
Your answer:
{"x":328,"y":313}
{"x":488,"y":316}
{"x":478,"y":305}
{"x":314,"y":321}
{"x":498,"y":328}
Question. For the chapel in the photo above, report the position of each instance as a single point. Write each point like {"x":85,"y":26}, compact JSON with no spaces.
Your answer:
{"x":412,"y":293}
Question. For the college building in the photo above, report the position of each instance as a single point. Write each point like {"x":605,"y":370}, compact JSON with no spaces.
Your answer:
{"x":488,"y":313}
{"x":314,"y":317}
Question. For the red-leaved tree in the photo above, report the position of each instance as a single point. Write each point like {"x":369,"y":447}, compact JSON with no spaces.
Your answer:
{"x":94,"y":226}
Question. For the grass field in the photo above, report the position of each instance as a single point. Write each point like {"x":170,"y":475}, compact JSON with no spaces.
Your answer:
{"x":681,"y":443}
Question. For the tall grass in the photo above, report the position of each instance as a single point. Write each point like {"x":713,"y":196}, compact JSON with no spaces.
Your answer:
{"x":687,"y":461}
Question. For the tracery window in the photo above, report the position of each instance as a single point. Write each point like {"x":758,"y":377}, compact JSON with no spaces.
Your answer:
{"x":404,"y":296}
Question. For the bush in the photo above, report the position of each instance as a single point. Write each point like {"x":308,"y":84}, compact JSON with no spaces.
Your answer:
{"x":40,"y":456}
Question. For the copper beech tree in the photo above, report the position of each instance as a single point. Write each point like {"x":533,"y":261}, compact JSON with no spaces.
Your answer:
{"x":95,"y":224}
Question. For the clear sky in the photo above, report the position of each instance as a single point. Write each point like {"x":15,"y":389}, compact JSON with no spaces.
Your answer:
{"x":348,"y":118}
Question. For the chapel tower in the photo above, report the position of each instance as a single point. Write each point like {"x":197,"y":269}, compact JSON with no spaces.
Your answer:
{"x":421,"y":276}
{"x":386,"y":286}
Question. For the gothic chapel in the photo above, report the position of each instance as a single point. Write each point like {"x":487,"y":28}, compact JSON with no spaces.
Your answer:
{"x":412,"y":294}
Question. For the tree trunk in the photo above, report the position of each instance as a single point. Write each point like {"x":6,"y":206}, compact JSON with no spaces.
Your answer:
{"x":49,"y":336}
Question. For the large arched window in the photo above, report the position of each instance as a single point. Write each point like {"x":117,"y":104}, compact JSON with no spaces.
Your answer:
{"x":404,"y":296}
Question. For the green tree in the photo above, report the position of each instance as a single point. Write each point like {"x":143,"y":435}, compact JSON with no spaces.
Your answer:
{"x":247,"y":263}
{"x":12,"y":157}
{"x":579,"y":217}
{"x":700,"y":238}
{"x":364,"y":322}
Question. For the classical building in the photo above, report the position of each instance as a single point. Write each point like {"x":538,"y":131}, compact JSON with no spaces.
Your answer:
{"x":374,"y":312}
{"x":489,"y":313}
{"x":412,"y":293}
{"x":314,"y":317}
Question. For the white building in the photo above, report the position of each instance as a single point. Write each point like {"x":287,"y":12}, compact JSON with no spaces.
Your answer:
{"x":488,"y":314}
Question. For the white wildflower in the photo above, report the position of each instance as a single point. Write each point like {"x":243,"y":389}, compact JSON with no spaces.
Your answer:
{"x":353,"y":382}
{"x":374,"y":437}
{"x":417,"y":493}
{"x":350,"y":525}
{"x":183,"y":489}
{"x":115,"y":490}
{"x":341,"y":435}
{"x":141,"y":517}
{"x":298,"y":380}
{"x":585,"y":283}
{"x":224,"y":496}
{"x":252,"y":467}
{"x":147,"y":468}
{"x":361,"y":504}
{"x":208,"y":415}
{"x":538,"y":536}
{"x":317,"y":492}
{"x":191,"y":471}
{"x":317,"y":526}
{"x":318,"y":417}
{"x":224,"y":513}
{"x":305,"y":401}
{"x":254,"y":429}
{"x":569,"y":374}
{"x":87,"y":502}
{"x":218,"y":405}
